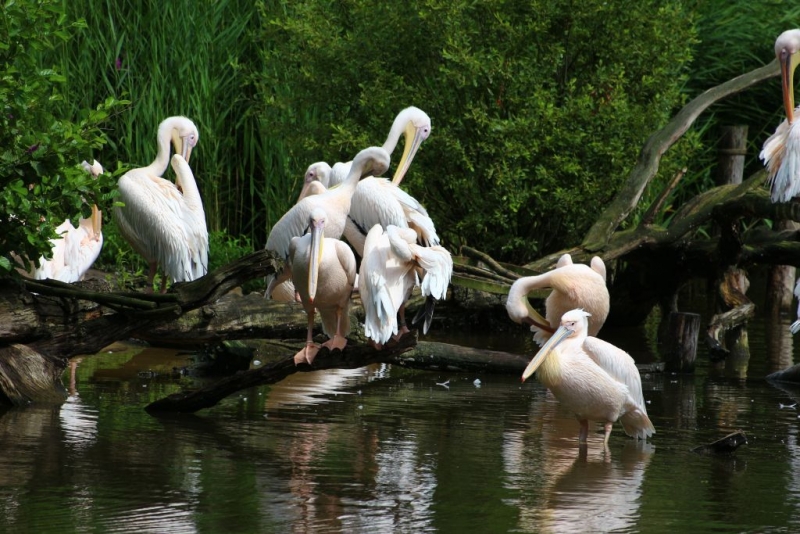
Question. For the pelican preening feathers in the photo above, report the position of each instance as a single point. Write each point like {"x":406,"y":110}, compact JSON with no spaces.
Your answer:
{"x":162,"y":222}
{"x":574,"y":285}
{"x":781,"y":152}
{"x":592,"y":378}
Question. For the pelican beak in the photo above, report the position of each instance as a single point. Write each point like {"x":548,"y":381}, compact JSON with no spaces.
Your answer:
{"x":97,"y":221}
{"x":414,"y":138}
{"x":788,"y":65}
{"x":535,"y":318}
{"x":187,"y":149}
{"x":314,"y":258}
{"x":559,"y":336}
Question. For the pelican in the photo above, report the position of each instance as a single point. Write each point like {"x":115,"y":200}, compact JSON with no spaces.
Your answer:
{"x":335,"y":202}
{"x":157,"y":219}
{"x":388,"y":274}
{"x":574,"y":286}
{"x":76,"y":250}
{"x":316,"y":181}
{"x":323,"y":271}
{"x":781,"y":152}
{"x":194,"y":216}
{"x":592,"y":378}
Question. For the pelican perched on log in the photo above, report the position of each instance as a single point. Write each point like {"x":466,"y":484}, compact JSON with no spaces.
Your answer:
{"x":388,"y":274}
{"x":335,"y":202}
{"x":324,"y":272}
{"x":76,"y":250}
{"x":781,"y":152}
{"x":380,"y":201}
{"x":592,"y":378}
{"x":156,"y":216}
{"x":574,"y":285}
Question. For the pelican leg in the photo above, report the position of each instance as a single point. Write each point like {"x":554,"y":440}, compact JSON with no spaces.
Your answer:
{"x":163,"y":282}
{"x":151,"y":275}
{"x":309,"y":352}
{"x":583,"y":435}
{"x":338,"y":341}
{"x":607,"y":426}
{"x":402,"y":329}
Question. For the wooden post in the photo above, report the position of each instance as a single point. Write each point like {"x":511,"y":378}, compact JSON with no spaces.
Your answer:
{"x":681,"y":344}
{"x":732,"y":151}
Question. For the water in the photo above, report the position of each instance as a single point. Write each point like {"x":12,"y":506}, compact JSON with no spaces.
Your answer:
{"x":383,"y":449}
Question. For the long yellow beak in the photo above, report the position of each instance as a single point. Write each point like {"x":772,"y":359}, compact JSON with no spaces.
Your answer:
{"x":559,"y":336}
{"x":788,"y":65}
{"x":535,"y":318}
{"x":409,"y":150}
{"x":187,"y":150}
{"x":97,"y":221}
{"x":314,"y":259}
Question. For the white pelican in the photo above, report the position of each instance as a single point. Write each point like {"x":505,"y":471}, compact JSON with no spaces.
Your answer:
{"x":156,"y":217}
{"x":388,"y":274}
{"x":379,"y":201}
{"x":194,"y":216}
{"x":575,"y":285}
{"x":335,"y":202}
{"x":324,"y":273}
{"x":592,"y":378}
{"x":316,"y":180}
{"x":76,"y":250}
{"x":781,"y":152}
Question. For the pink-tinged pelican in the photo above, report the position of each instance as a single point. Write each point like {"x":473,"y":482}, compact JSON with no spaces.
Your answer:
{"x":388,"y":274}
{"x":592,"y":378}
{"x":76,"y":250}
{"x":335,"y":202}
{"x":781,"y":152}
{"x":156,"y":214}
{"x":324,"y":273}
{"x":574,"y":285}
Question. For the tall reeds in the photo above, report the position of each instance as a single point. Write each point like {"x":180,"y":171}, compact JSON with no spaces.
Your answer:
{"x":184,"y":58}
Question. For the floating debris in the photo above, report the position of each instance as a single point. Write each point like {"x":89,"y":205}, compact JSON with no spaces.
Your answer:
{"x":726,"y":445}
{"x":445,"y":384}
{"x":477,"y":383}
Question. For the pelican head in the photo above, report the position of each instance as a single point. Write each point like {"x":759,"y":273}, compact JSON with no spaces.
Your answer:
{"x":320,"y":172}
{"x":371,"y":161}
{"x":183,"y":133}
{"x":574,"y":323}
{"x":95,"y":169}
{"x":316,"y":225}
{"x":787,"y":46}
{"x":415,"y":125}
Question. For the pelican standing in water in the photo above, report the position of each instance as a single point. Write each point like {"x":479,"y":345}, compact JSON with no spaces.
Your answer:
{"x":574,"y":285}
{"x":388,"y":274}
{"x":781,"y":152}
{"x":335,"y":202}
{"x":324,"y":272}
{"x":592,"y":378}
{"x":156,"y":216}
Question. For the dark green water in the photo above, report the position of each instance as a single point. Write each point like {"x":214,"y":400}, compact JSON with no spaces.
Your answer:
{"x":386,"y":450}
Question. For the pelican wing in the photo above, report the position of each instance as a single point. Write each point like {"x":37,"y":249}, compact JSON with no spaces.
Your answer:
{"x":618,"y":364}
{"x":152,"y":222}
{"x":781,"y":155}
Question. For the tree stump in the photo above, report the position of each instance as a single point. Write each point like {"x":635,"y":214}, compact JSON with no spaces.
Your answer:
{"x":681,"y":344}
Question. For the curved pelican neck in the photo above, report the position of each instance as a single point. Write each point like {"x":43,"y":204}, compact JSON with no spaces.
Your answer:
{"x":159,"y":165}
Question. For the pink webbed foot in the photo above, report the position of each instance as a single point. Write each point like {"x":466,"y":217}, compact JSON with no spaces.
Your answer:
{"x":403,"y":330}
{"x":336,"y":342}
{"x":306,"y":355}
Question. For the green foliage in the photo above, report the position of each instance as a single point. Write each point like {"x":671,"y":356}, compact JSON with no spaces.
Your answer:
{"x":539,"y":108}
{"x":41,"y":182}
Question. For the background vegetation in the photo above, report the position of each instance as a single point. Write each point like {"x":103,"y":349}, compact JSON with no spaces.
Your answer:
{"x":539,"y":107}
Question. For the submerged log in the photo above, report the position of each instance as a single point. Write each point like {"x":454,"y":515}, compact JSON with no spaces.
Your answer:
{"x":726,"y":445}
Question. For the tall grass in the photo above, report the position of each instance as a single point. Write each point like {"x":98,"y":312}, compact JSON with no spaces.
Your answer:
{"x":185,"y":58}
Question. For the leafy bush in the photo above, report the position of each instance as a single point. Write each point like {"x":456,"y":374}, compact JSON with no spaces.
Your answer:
{"x":41,"y":182}
{"x":539,"y":107}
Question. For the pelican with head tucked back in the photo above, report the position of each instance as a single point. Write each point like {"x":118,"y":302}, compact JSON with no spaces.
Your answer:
{"x":574,"y":286}
{"x":592,"y":378}
{"x":390,"y":271}
{"x":781,"y":152}
{"x":335,"y":202}
{"x":324,"y":272}
{"x":157,"y":219}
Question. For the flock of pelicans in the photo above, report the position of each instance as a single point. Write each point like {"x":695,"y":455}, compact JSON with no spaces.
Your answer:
{"x":398,"y":247}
